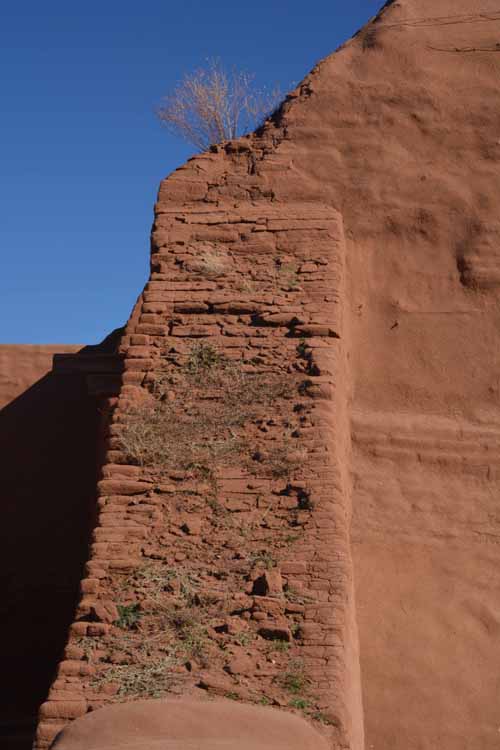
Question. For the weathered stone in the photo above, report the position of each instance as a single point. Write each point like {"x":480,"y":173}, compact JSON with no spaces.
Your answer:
{"x":192,"y":525}
{"x":104,"y":612}
{"x":272,"y":631}
{"x":122,"y":487}
{"x":195,"y":331}
{"x":63,"y":709}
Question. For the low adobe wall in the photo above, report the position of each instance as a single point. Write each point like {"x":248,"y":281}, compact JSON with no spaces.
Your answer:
{"x":263,"y":540}
{"x":22,"y":365}
{"x":48,"y":439}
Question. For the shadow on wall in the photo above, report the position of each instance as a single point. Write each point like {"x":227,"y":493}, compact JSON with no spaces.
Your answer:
{"x":48,"y":439}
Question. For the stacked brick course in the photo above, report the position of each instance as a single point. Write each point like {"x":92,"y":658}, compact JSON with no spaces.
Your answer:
{"x":259,"y":282}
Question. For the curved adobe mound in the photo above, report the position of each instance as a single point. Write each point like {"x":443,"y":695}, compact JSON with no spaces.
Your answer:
{"x":189,"y":725}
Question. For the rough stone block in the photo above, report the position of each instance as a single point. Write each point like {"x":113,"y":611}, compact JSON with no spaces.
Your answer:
{"x":63,"y":709}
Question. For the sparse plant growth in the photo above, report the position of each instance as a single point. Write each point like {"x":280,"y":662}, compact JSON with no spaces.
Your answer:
{"x":294,"y":679}
{"x":196,"y":440}
{"x":279,"y":645}
{"x":301,"y":703}
{"x":204,"y":416}
{"x":286,"y":275}
{"x":211,"y":264}
{"x":151,"y":678}
{"x":296,"y":597}
{"x":244,"y":638}
{"x":129,"y":616}
{"x":202,"y":427}
{"x":160,"y":637}
{"x":88,"y":645}
{"x":202,"y":359}
{"x":263,"y":557}
{"x":187,"y":615}
{"x":181,"y":583}
{"x":212,"y":104}
{"x":322,"y":717}
{"x":183,"y":619}
{"x":194,"y":641}
{"x":218,"y":510}
{"x":282,"y":459}
{"x":147,"y":580}
{"x":247,"y":286}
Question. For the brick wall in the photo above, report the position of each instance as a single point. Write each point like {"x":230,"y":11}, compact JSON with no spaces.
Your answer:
{"x":228,"y":572}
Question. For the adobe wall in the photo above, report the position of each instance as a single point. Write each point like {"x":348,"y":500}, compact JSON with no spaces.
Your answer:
{"x":22,"y":365}
{"x":397,"y":132}
{"x":263,"y":540}
{"x":401,"y":131}
{"x":48,"y":436}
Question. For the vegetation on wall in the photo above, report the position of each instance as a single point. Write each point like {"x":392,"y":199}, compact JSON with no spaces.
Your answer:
{"x":212,"y":104}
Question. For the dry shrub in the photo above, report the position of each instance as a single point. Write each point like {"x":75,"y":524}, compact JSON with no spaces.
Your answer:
{"x":153,"y":581}
{"x":280,"y":460}
{"x":211,"y":264}
{"x":212,"y":105}
{"x":294,"y":679}
{"x":148,"y":678}
{"x":201,"y":427}
{"x":173,"y":629}
{"x":195,"y":439}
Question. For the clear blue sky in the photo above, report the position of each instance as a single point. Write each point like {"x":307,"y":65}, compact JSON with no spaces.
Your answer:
{"x":81,"y":153}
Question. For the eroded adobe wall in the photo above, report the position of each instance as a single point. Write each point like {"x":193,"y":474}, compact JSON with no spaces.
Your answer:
{"x":398,"y":131}
{"x":238,"y":576}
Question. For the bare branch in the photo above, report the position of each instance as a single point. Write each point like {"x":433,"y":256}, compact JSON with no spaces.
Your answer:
{"x":211,"y":105}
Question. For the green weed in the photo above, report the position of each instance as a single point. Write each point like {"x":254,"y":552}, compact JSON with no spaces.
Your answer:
{"x":129,"y":616}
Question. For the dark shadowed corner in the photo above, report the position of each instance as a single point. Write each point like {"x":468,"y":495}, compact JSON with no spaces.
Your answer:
{"x":48,"y":438}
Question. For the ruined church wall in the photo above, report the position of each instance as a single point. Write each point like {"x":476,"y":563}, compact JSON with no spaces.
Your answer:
{"x":260,"y":281}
